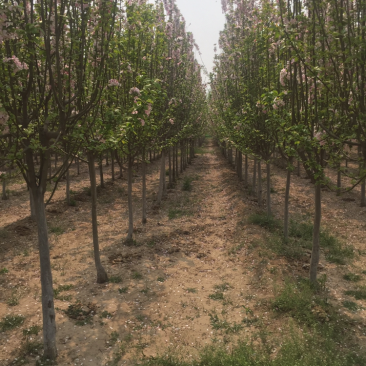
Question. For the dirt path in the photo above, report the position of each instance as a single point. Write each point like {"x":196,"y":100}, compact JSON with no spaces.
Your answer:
{"x":195,"y":275}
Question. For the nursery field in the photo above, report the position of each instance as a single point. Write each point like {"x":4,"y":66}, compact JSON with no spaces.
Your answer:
{"x":207,"y":280}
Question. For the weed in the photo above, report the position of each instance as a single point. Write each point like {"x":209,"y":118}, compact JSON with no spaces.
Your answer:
{"x":218,"y":323}
{"x":136,"y":275}
{"x":62,"y":288}
{"x":217,"y":296}
{"x":350,"y":305}
{"x":31,"y":348}
{"x":175,"y":213}
{"x":263,"y":220}
{"x":145,"y":291}
{"x":359,"y":294}
{"x":161,"y":279}
{"x":123,"y":290}
{"x":32,"y":330}
{"x":72,"y":202}
{"x":222,"y":287}
{"x":352,"y":277}
{"x":187,"y":184}
{"x":13,"y":300}
{"x":105,"y":315}
{"x":4,"y":270}
{"x":57,"y":230}
{"x":115,"y":279}
{"x":114,"y":338}
{"x":191,"y":290}
{"x":236,"y":249}
{"x":10,"y":322}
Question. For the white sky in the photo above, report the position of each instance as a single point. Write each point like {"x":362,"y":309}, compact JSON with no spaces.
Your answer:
{"x":205,"y":20}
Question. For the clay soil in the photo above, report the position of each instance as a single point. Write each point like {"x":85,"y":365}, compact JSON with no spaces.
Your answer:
{"x":192,"y":277}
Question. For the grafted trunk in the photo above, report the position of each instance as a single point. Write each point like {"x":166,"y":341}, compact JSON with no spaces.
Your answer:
{"x":129,"y":193}
{"x":269,"y":206}
{"x":48,"y":307}
{"x":287,"y":200}
{"x":162,"y":178}
{"x":259,"y":184}
{"x":315,"y":254}
{"x":144,"y":220}
{"x":254,"y":176}
{"x":102,"y":276}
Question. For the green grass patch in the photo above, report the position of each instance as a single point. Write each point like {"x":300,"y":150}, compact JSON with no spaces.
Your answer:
{"x":217,"y":296}
{"x":161,"y":279}
{"x":136,"y":275}
{"x":105,"y":315}
{"x":115,"y":279}
{"x":11,"y":322}
{"x":191,"y":290}
{"x":359,"y":294}
{"x":175,"y":213}
{"x":265,"y":221}
{"x":123,"y":290}
{"x":4,"y":271}
{"x":350,"y":305}
{"x":57,"y":230}
{"x":352,"y":277}
{"x":32,"y":330}
{"x":62,"y":288}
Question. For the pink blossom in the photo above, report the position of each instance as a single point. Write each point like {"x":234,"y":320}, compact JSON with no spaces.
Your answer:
{"x":171,"y":120}
{"x":142,"y":122}
{"x":135,"y":91}
{"x":113,"y":82}
{"x":283,"y":74}
{"x":148,"y":110}
{"x":18,"y":65}
{"x":135,"y":111}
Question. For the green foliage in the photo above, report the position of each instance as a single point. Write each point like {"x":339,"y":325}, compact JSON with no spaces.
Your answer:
{"x":11,"y":322}
{"x":359,"y":294}
{"x":350,"y":305}
{"x":62,"y":288}
{"x":216,"y":296}
{"x":136,"y":275}
{"x":115,"y":279}
{"x":57,"y":230}
{"x":4,"y":271}
{"x":123,"y":290}
{"x":265,"y":221}
{"x":161,"y":279}
{"x":187,"y":184}
{"x":32,"y":330}
{"x":352,"y":277}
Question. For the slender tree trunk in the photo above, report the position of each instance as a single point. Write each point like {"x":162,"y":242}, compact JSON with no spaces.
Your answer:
{"x":4,"y":195}
{"x":78,"y":165}
{"x":259,"y":184}
{"x":254,"y":176}
{"x":246,"y":171}
{"x":339,"y":180}
{"x":162,"y":178}
{"x":315,"y":254}
{"x":102,"y":276}
{"x":363,"y":198}
{"x":298,"y":168}
{"x":144,"y":220}
{"x":56,"y":160}
{"x":269,"y":206}
{"x":48,"y":307}
{"x":112,"y":167}
{"x":101,"y":172}
{"x":106,"y":158}
{"x":181,"y":157}
{"x":240,"y":166}
{"x":129,"y":192}
{"x":170,"y":169}
{"x":287,"y":200}
{"x":174,"y":165}
{"x":119,"y":162}
{"x":176,"y":161}
{"x":32,"y":205}
{"x":68,"y":186}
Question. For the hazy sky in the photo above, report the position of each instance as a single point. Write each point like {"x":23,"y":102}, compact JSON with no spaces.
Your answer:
{"x":204,"y":19}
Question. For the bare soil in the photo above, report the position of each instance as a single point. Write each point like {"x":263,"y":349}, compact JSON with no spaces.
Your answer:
{"x":178,"y":287}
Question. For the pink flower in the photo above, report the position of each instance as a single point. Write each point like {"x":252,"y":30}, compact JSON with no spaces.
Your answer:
{"x":135,"y":91}
{"x":113,"y":82}
{"x":171,"y":120}
{"x":283,"y":74}
{"x":148,"y":110}
{"x":142,"y":122}
{"x":18,"y":65}
{"x":135,"y":112}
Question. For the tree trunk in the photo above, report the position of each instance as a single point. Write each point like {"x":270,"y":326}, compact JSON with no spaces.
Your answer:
{"x":31,"y":204}
{"x":269,"y":206}
{"x":112,"y":167}
{"x":56,"y":161}
{"x":48,"y":307}
{"x":106,"y":158}
{"x":315,"y":254}
{"x":246,"y":171}
{"x":298,"y":168}
{"x":176,"y":162}
{"x":287,"y":200}
{"x":162,"y":178}
{"x":68,"y":187}
{"x":174,"y":165}
{"x":181,"y":157}
{"x":259,"y":184}
{"x":254,"y":176}
{"x":240,"y":165}
{"x":78,"y":165}
{"x":4,"y":195}
{"x":101,"y":172}
{"x":170,"y":169}
{"x":129,"y":193}
{"x":363,"y":198}
{"x":144,"y":220}
{"x":102,"y":276}
{"x":339,"y":180}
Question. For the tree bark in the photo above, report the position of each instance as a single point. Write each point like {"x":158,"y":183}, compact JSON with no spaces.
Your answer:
{"x":68,"y":187}
{"x":246,"y":171}
{"x":174,"y":165}
{"x":269,"y":206}
{"x":129,"y":193}
{"x":162,"y":178}
{"x":259,"y":184}
{"x":315,"y":254}
{"x":102,"y":276}
{"x":287,"y":200}
{"x":240,"y":166}
{"x":144,"y":220}
{"x":254,"y":176}
{"x":48,"y":307}
{"x":181,"y":157}
{"x":112,"y":167}
{"x":4,"y":195}
{"x":101,"y":172}
{"x":170,"y":169}
{"x":339,"y":180}
{"x":176,"y":162}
